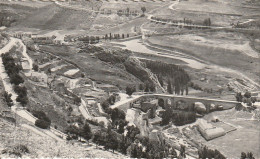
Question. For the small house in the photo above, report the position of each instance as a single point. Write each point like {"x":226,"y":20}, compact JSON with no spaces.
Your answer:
{"x":208,"y":131}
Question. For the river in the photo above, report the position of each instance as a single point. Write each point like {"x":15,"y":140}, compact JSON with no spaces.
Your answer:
{"x":136,"y":45}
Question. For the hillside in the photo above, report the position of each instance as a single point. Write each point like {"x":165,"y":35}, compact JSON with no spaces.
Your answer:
{"x":42,"y":146}
{"x":55,"y":17}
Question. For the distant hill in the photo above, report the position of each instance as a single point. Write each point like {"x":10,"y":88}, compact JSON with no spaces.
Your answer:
{"x":45,"y":17}
{"x":55,"y":17}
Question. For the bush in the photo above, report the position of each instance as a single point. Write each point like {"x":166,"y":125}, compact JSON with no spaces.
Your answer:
{"x":17,"y":150}
{"x":42,"y":124}
{"x":43,"y":121}
{"x":8,"y":99}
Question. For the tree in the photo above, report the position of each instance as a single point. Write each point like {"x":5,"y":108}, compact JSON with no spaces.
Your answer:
{"x":117,"y":114}
{"x":161,"y":102}
{"x":130,"y":90}
{"x":16,"y":79}
{"x":49,"y":71}
{"x":160,"y":79}
{"x":112,"y":99}
{"x":169,"y":87}
{"x":22,"y":99}
{"x":239,"y":97}
{"x":187,"y":89}
{"x":141,"y":87}
{"x":73,"y":132}
{"x":85,"y":132}
{"x":247,"y":94}
{"x":112,"y":142}
{"x":105,"y":105}
{"x":167,"y":116}
{"x":110,"y":36}
{"x":35,"y":67}
{"x":77,"y":100}
{"x":147,"y":86}
{"x":182,"y":151}
{"x":143,"y":9}
{"x":8,"y":99}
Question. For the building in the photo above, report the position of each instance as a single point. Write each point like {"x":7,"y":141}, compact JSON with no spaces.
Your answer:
{"x":208,"y":131}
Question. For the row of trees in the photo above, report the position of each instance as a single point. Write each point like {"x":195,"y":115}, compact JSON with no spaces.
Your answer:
{"x":176,"y":88}
{"x":206,"y":22}
{"x":115,"y":36}
{"x":90,"y":39}
{"x":178,"y":78}
{"x":13,"y":70}
{"x":147,"y":87}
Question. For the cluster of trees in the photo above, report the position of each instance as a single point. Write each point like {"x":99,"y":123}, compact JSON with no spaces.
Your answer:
{"x":127,"y":12}
{"x":113,"y":57}
{"x":185,"y":21}
{"x":90,"y":39}
{"x":121,"y":57}
{"x":43,"y":121}
{"x":138,"y":71}
{"x":76,"y":133}
{"x":143,"y":9}
{"x":13,"y":70}
{"x":116,"y":115}
{"x":21,"y":91}
{"x":91,"y":49}
{"x":130,"y":90}
{"x":147,"y":87}
{"x":246,"y":98}
{"x":178,"y":117}
{"x":207,"y":22}
{"x":205,"y":153}
{"x":178,"y":78}
{"x":8,"y":99}
{"x":6,"y":20}
{"x":248,"y":155}
{"x":115,"y":36}
{"x":132,"y":142}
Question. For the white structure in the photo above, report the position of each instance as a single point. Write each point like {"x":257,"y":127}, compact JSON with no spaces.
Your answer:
{"x":208,"y":131}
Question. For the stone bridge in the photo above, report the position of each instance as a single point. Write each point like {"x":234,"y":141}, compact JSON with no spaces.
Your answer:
{"x":169,"y":99}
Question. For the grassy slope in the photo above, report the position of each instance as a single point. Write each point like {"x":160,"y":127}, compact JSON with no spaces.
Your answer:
{"x":94,"y":68}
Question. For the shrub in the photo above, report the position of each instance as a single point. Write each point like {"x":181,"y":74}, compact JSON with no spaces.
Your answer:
{"x":17,"y":150}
